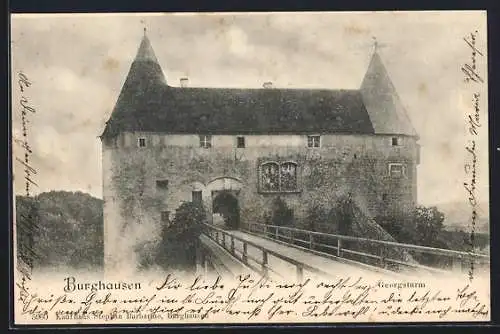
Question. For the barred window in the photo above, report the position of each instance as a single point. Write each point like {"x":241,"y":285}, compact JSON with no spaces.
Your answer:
{"x":196,"y":196}
{"x":279,"y":177}
{"x":240,"y":142}
{"x":396,"y":170}
{"x":206,"y":141}
{"x":313,"y":141}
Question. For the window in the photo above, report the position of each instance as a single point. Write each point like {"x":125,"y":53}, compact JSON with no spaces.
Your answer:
{"x":396,"y":170}
{"x":162,"y":184}
{"x":288,"y":176}
{"x":206,"y":141}
{"x":165,"y":216}
{"x":313,"y":141}
{"x":240,"y":142}
{"x":395,"y":141}
{"x":142,"y":142}
{"x":276,"y":177}
{"x":196,"y":196}
{"x":270,"y":177}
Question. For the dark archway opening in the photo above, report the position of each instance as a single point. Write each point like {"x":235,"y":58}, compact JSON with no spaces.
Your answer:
{"x":226,"y":204}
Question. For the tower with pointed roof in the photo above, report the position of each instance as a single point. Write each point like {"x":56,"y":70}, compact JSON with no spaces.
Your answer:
{"x":387,"y":113}
{"x":235,"y":150}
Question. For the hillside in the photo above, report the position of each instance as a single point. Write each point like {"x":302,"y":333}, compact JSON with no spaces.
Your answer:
{"x":70,"y":228}
{"x":458,"y":217}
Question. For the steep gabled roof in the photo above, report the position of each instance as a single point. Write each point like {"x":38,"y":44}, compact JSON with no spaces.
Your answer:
{"x":232,"y":111}
{"x":387,"y":113}
{"x":146,"y":103}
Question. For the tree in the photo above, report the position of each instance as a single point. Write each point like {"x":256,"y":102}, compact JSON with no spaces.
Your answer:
{"x":422,"y":226}
{"x":179,"y":239}
{"x":322,"y":218}
{"x":428,"y":225}
{"x":69,"y":228}
{"x":27,"y":223}
{"x":187,"y":218}
{"x":345,"y":215}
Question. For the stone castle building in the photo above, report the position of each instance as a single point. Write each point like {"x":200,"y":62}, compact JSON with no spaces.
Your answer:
{"x":235,"y":150}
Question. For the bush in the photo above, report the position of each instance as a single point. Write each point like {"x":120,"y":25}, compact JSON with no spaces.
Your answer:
{"x":422,"y":226}
{"x":321,"y":219}
{"x":282,"y":215}
{"x":179,"y":239}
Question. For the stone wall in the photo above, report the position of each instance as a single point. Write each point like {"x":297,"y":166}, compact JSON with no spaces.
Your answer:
{"x":356,"y":164}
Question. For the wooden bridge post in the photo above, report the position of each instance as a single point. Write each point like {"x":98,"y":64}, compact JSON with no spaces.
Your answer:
{"x":339,"y":245}
{"x":205,"y":265}
{"x":381,"y":257}
{"x":244,"y":255}
{"x":200,"y":258}
{"x":276,"y":232}
{"x":311,"y":241}
{"x":300,"y":273}
{"x":264,"y":263}
{"x":232,"y":244}
{"x":456,"y":264}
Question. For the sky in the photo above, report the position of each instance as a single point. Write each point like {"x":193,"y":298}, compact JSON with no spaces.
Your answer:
{"x":78,"y":63}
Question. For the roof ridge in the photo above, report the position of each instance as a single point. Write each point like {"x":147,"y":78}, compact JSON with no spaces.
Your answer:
{"x":266,"y":89}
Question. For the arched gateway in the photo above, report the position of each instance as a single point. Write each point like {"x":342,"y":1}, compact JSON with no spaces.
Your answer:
{"x":226,"y":204}
{"x":224,"y":193}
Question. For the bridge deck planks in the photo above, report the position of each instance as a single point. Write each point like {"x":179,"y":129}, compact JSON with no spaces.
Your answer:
{"x":331,"y":266}
{"x":226,"y":263}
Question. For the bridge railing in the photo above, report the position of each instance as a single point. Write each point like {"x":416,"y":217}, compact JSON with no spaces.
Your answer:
{"x":385,"y":254}
{"x":260,"y":264}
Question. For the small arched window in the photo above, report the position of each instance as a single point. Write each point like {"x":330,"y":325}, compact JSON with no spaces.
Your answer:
{"x":278,"y":177}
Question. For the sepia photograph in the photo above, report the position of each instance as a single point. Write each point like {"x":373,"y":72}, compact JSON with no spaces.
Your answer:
{"x":250,"y":167}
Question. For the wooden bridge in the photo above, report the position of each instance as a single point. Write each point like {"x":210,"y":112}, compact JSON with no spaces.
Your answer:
{"x":277,"y":251}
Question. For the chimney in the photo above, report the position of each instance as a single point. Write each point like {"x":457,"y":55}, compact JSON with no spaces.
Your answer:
{"x":184,"y":82}
{"x":268,"y":84}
